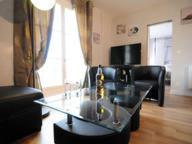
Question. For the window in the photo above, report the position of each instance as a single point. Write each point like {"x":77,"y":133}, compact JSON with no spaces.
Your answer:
{"x":65,"y":61}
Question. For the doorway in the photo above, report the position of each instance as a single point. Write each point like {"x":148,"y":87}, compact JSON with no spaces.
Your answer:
{"x":160,"y":47}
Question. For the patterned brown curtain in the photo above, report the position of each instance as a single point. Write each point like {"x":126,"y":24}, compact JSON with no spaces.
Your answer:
{"x":23,"y":44}
{"x":84,"y":14}
{"x":31,"y":42}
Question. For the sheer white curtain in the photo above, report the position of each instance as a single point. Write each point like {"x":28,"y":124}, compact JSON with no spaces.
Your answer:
{"x":152,"y":52}
{"x":158,"y":51}
{"x":75,"y":67}
{"x":160,"y":43}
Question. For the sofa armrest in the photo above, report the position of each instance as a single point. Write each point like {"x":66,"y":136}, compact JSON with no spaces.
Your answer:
{"x":161,"y":84}
{"x":132,"y":75}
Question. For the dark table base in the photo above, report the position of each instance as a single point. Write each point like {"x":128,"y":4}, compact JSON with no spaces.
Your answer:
{"x":45,"y":112}
{"x":82,"y":132}
{"x":135,"y":120}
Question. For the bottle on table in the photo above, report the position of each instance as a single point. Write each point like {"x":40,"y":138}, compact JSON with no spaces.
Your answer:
{"x":99,"y":92}
{"x":99,"y":82}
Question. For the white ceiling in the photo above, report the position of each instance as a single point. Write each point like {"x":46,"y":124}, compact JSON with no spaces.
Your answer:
{"x":118,"y":7}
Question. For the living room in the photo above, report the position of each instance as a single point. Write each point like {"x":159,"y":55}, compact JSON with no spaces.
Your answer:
{"x":175,"y":116}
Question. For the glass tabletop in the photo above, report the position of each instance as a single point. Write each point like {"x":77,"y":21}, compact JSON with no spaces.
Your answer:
{"x":113,"y":110}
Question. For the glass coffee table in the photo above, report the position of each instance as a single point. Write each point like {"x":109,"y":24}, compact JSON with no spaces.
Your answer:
{"x":113,"y":111}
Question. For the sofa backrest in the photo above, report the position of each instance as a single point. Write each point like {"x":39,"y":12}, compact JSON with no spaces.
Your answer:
{"x":147,"y":72}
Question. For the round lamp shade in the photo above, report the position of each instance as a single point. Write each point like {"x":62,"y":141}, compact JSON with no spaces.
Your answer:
{"x":43,"y":4}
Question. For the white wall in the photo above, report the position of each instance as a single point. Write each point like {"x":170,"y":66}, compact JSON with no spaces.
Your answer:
{"x":6,"y":43}
{"x":102,"y":24}
{"x":182,"y":38}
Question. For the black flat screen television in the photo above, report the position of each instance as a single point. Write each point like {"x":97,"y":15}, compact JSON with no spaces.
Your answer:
{"x":125,"y":54}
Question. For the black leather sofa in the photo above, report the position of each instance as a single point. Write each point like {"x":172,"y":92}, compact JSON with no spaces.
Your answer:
{"x":19,"y":115}
{"x":150,"y":75}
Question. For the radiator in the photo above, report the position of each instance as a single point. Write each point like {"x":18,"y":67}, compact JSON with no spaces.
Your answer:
{"x":189,"y":76}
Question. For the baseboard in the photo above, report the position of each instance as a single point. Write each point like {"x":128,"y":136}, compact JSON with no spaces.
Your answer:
{"x":181,"y":92}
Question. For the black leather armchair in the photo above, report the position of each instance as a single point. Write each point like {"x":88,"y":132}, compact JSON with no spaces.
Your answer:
{"x":110,"y":75}
{"x":152,"y":75}
{"x":19,"y":115}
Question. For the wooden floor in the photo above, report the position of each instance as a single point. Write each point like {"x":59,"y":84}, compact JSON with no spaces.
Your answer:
{"x":171,"y":124}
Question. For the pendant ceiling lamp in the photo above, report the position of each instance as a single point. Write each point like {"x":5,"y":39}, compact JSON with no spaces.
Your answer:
{"x":43,"y":4}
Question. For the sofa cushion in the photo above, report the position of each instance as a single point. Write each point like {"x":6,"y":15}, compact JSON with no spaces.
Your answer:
{"x":8,"y":93}
{"x":14,"y":100}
